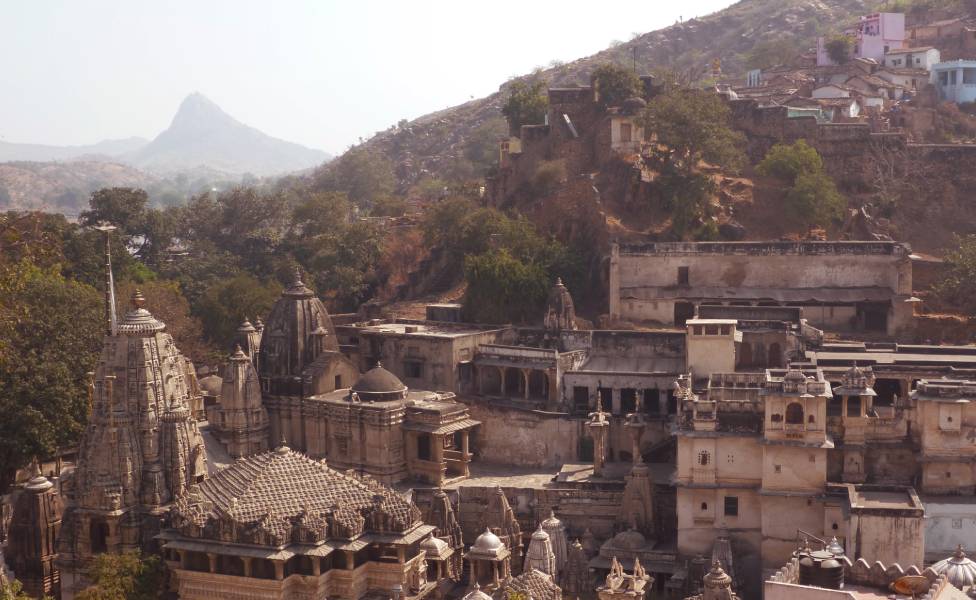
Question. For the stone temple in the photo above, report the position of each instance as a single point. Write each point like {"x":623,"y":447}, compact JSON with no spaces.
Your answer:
{"x":717,"y":443}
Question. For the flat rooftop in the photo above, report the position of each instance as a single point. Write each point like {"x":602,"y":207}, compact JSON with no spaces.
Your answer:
{"x":420,"y":330}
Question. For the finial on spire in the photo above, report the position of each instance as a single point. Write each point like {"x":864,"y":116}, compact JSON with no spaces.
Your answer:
{"x":559,"y":281}
{"x":297,"y":275}
{"x":138,"y":300}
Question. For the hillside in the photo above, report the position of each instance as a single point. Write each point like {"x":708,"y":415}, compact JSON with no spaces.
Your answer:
{"x":40,"y":152}
{"x":432,"y":142}
{"x":203,"y":135}
{"x":62,"y":186}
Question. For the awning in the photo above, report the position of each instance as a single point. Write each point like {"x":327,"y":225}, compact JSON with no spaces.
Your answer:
{"x":229,"y":550}
{"x":441,"y":429}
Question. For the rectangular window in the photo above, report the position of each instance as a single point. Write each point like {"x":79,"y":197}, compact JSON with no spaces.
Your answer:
{"x":628,"y":401}
{"x":683,"y":276}
{"x":853,"y":406}
{"x":423,"y":446}
{"x":625,"y":132}
{"x":731,"y":506}
{"x":711,"y":329}
{"x":413,"y":369}
{"x":581,"y":398}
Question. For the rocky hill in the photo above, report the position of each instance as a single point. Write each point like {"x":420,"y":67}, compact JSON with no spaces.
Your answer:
{"x":203,"y":135}
{"x":430,"y":144}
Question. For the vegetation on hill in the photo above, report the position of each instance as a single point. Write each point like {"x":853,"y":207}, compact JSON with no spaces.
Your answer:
{"x":812,"y":198}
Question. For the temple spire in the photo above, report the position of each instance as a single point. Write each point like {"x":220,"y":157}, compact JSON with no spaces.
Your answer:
{"x":111,"y":318}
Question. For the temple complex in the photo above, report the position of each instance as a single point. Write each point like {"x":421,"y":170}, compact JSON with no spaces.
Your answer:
{"x":414,"y":458}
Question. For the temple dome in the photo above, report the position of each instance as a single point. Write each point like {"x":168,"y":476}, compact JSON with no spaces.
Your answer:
{"x":476,"y":593}
{"x":540,"y":534}
{"x":959,"y":569}
{"x":292,"y":339}
{"x":487,"y":543}
{"x":379,"y":384}
{"x":560,"y":309}
{"x":433,"y":546}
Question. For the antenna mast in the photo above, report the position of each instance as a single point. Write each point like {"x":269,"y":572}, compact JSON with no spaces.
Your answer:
{"x":111,"y":320}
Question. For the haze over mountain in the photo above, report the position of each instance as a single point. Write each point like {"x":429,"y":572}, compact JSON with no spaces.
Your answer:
{"x":203,"y":135}
{"x":10,"y":151}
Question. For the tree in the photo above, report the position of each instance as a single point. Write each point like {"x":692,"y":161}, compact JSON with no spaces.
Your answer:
{"x":696,"y":126}
{"x":363,"y":174}
{"x":129,"y":576}
{"x":615,"y":84}
{"x":788,"y":161}
{"x":226,"y":302}
{"x":958,"y":285}
{"x":502,"y":288}
{"x":527,"y":104}
{"x":389,"y":206}
{"x":15,"y":591}
{"x":839,"y":48}
{"x":50,"y":335}
{"x":813,"y":198}
{"x":147,"y":232}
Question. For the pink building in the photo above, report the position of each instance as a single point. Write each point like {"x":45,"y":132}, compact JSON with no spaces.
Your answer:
{"x":874,"y":35}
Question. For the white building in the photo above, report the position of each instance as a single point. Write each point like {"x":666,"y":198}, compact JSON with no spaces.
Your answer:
{"x":955,"y":80}
{"x":912,"y":58}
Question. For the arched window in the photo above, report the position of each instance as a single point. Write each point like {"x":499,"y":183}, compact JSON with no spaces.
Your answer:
{"x":794,"y":413}
{"x":703,"y":458}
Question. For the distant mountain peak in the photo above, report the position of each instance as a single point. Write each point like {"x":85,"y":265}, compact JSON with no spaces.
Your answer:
{"x":203,"y":135}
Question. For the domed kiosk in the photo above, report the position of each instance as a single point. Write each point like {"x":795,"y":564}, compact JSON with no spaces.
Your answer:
{"x":379,"y":426}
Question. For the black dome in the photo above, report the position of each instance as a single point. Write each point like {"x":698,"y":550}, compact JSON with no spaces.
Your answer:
{"x":379,"y":381}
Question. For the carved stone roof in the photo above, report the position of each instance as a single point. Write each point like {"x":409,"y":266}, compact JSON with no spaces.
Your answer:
{"x":276,"y":489}
{"x":535,"y":584}
{"x":139,"y":320}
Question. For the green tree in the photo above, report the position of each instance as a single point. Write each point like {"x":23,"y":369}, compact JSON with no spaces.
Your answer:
{"x":958,"y":284}
{"x":50,"y":334}
{"x":527,"y":104}
{"x":839,"y":48}
{"x":129,"y":576}
{"x":502,"y":288}
{"x":363,"y":174}
{"x":696,"y":126}
{"x":788,"y":161}
{"x":226,"y":302}
{"x":15,"y":591}
{"x":813,"y":198}
{"x":615,"y":84}
{"x":343,"y":263}
{"x":147,"y":232}
{"x":389,"y":206}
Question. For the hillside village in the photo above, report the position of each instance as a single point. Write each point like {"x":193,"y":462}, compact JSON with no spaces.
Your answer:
{"x":749,"y":405}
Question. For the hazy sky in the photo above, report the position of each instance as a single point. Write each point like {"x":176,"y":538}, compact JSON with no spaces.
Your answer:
{"x":319,"y":72}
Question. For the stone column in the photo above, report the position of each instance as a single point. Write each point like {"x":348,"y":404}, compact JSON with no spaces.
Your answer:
{"x":279,"y":569}
{"x":213,"y":561}
{"x":615,"y":401}
{"x":350,"y":560}
{"x":525,"y":384}
{"x":503,"y":391}
{"x":599,"y":428}
{"x":247,"y":565}
{"x":182,"y":554}
{"x":316,"y":565}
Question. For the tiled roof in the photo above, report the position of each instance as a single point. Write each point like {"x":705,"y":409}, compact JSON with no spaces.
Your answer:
{"x":276,"y":491}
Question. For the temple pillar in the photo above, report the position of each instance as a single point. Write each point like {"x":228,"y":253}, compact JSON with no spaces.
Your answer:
{"x":279,"y":569}
{"x":247,"y":565}
{"x":401,"y":554}
{"x":350,"y":560}
{"x":525,"y":383}
{"x":212,"y":558}
{"x":316,"y":566}
{"x":501,"y":375}
{"x":615,"y":401}
{"x":182,"y":554}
